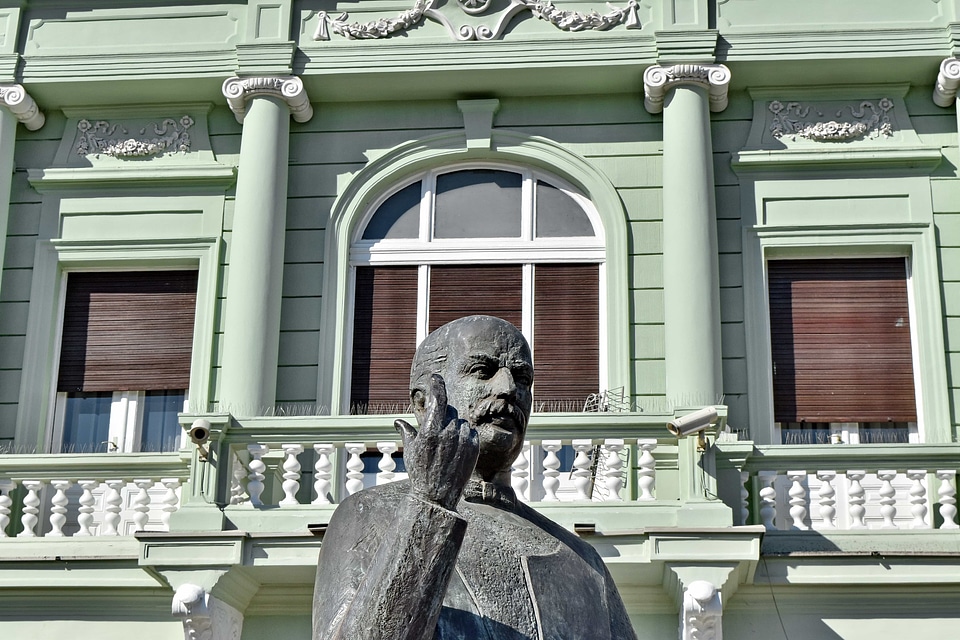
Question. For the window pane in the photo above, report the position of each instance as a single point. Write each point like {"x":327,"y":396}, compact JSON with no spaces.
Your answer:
{"x":397,"y":217}
{"x":884,"y":433}
{"x":559,"y":215}
{"x":477,"y":203}
{"x":86,"y":422}
{"x":805,"y":433}
{"x":161,"y":430}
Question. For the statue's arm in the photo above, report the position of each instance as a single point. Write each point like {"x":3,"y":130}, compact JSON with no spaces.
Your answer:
{"x":387,"y":581}
{"x":398,"y":592}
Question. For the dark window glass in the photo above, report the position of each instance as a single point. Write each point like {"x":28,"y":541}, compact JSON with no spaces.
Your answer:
{"x":161,"y":430}
{"x":884,"y":433}
{"x":559,"y":215}
{"x":477,"y":203}
{"x":86,"y":422}
{"x":397,"y":217}
{"x":805,"y":433}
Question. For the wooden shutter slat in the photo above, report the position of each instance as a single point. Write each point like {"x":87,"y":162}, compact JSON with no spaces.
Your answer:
{"x":457,"y":291}
{"x":127,"y":331}
{"x":384,"y":338}
{"x":840,"y":337}
{"x":566,"y":333}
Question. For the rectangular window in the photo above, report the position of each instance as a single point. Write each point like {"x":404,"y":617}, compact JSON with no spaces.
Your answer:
{"x":125,"y":360}
{"x":841,"y":347}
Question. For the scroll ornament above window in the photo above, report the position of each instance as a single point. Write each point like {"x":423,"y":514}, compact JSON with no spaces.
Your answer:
{"x":437,"y":11}
{"x":102,"y":138}
{"x":869,"y":119}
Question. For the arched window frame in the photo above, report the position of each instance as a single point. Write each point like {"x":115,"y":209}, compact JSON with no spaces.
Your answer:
{"x":395,"y":167}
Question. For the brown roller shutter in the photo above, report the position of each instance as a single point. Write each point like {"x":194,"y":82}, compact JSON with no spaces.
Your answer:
{"x":840,"y":335}
{"x":384,"y":339}
{"x":566,"y":334}
{"x":465,"y":290}
{"x":126,"y":331}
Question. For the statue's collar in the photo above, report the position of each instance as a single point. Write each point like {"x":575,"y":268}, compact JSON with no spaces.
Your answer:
{"x":478,"y":490}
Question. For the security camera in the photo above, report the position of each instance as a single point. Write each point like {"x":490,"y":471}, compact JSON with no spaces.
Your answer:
{"x":693,"y":422}
{"x":199,"y":431}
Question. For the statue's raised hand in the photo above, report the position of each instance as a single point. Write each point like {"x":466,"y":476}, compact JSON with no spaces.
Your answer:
{"x":442,"y":455}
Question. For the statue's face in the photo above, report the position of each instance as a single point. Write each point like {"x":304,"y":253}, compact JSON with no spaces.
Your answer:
{"x":488,"y":374}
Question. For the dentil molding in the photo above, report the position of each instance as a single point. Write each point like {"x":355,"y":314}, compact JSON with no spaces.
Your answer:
{"x":658,"y":80}
{"x":948,"y":81}
{"x":701,"y":612}
{"x":15,"y":98}
{"x":491,"y":30}
{"x":290,"y":89}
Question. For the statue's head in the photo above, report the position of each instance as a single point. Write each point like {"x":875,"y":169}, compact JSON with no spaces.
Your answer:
{"x":486,"y":365}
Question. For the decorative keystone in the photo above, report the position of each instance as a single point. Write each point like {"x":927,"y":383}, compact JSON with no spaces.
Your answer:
{"x":657,"y":81}
{"x":15,"y":98}
{"x":948,"y":81}
{"x":288,"y":88}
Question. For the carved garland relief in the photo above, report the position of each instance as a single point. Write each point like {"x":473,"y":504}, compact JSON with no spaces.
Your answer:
{"x":542,"y":9}
{"x":102,"y":138}
{"x":868,"y":119}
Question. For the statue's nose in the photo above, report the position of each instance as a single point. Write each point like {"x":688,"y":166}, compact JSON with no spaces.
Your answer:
{"x":503,"y":383}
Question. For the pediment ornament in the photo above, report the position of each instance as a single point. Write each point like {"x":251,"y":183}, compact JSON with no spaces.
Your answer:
{"x":490,"y":29}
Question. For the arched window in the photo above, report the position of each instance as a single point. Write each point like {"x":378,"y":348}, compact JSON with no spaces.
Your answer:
{"x":496,"y":240}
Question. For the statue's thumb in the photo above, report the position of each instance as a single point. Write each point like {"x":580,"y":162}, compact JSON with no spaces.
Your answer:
{"x":406,"y":430}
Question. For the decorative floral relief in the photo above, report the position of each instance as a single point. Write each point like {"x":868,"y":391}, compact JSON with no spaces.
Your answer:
{"x":542,"y":9}
{"x":867,"y":120}
{"x":102,"y":138}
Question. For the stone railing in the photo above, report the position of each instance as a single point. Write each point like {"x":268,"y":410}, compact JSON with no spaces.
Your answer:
{"x":851,"y":487}
{"x":83,"y":495}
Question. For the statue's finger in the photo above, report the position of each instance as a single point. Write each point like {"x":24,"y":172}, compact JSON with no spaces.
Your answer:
{"x":407,"y":433}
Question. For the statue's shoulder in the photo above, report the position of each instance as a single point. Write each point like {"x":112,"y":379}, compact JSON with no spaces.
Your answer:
{"x":374,"y":499}
{"x":566,"y":537}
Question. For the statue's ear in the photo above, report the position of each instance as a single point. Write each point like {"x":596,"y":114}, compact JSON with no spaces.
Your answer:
{"x":419,"y":400}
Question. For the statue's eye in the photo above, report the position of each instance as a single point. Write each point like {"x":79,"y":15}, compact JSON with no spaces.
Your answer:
{"x":483,"y":370}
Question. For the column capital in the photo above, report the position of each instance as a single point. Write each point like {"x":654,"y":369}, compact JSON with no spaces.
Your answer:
{"x":948,"y":81}
{"x":16,"y":99}
{"x":290,"y":89}
{"x":657,"y":80}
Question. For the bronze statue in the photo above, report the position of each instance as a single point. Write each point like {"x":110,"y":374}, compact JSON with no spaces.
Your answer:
{"x":451,"y":553}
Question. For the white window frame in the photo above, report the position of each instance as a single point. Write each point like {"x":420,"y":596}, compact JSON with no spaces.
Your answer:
{"x":525,"y":251}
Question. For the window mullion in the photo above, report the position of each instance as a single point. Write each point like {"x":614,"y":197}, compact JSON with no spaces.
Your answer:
{"x":527,"y":207}
{"x":423,"y":301}
{"x":527,"y":304}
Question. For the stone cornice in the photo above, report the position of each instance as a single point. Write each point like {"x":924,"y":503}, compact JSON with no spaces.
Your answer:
{"x":948,"y":81}
{"x":15,"y":98}
{"x":657,"y":80}
{"x":287,"y":88}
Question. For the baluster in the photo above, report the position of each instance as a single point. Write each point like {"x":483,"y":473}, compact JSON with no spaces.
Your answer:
{"x":31,"y":507}
{"x":291,"y":474}
{"x":798,"y":500}
{"x":387,"y":465}
{"x":85,"y":518}
{"x":856,"y":496}
{"x":519,"y":475}
{"x":170,"y":500}
{"x":918,"y":499}
{"x":141,"y":504}
{"x":888,"y":499}
{"x":948,"y":498}
{"x":6,"y":502}
{"x":58,"y":508}
{"x":614,"y":470}
{"x":768,"y":499}
{"x":581,"y":469}
{"x":237,"y":476}
{"x":111,"y":507}
{"x":827,"y":493}
{"x":323,"y":469}
{"x":256,"y":475}
{"x":744,"y":498}
{"x":354,"y":467}
{"x":647,"y":472}
{"x":551,"y":466}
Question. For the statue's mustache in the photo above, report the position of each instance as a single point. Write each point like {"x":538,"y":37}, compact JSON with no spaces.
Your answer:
{"x":493,"y":408}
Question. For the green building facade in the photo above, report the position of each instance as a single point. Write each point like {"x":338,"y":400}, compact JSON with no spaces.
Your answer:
{"x":228,"y":224}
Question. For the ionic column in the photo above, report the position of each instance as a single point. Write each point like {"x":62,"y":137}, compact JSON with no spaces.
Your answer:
{"x":252,"y":309}
{"x":686,"y":94}
{"x":18,"y":106}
